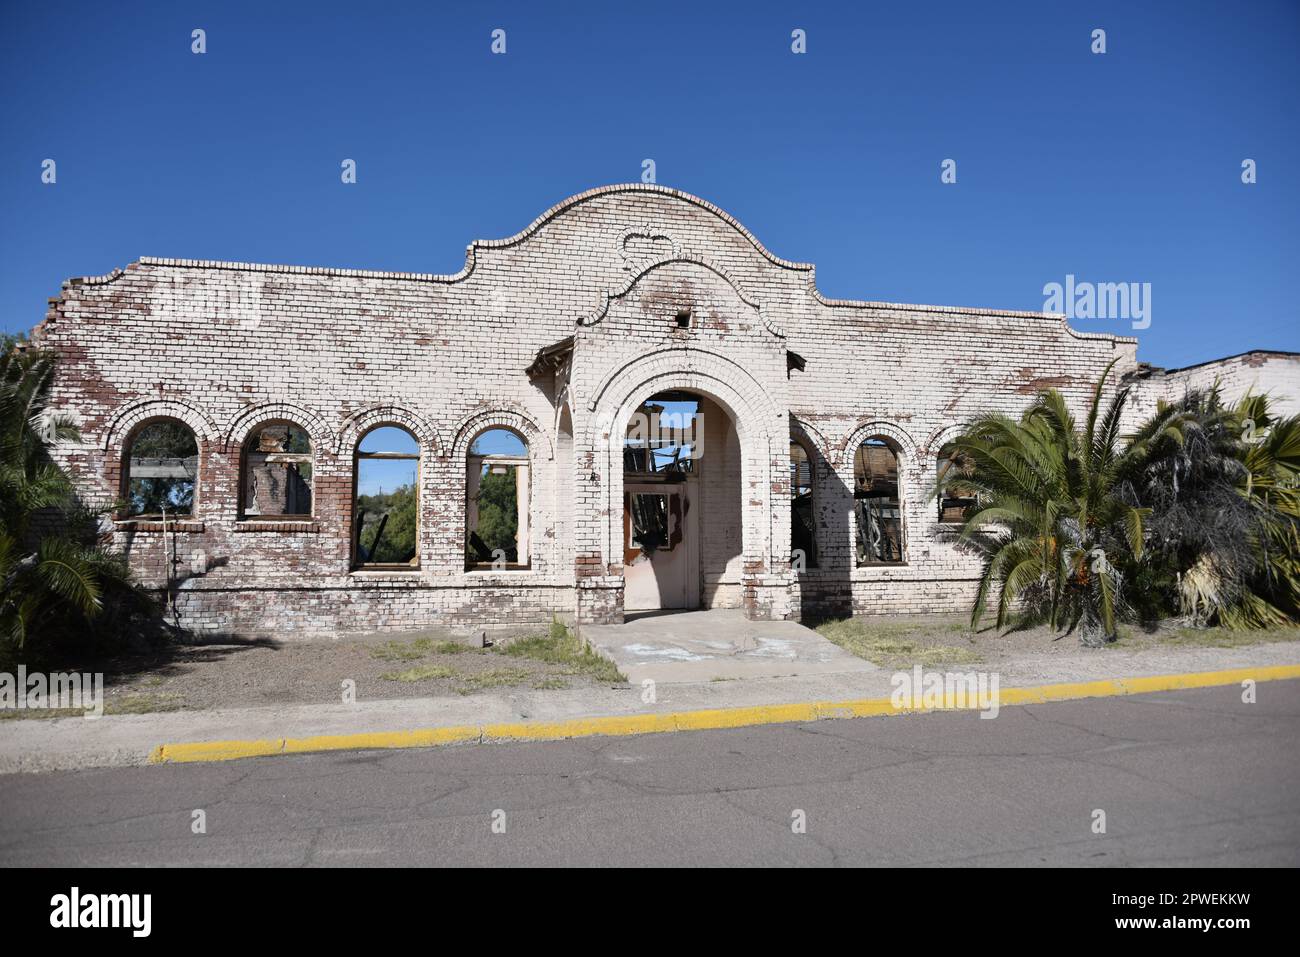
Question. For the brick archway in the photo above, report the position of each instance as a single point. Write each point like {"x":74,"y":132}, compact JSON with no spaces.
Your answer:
{"x":763,"y":432}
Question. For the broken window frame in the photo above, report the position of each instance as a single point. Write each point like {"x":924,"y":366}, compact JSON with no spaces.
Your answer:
{"x":182,"y":467}
{"x":810,"y":553}
{"x":664,"y":520}
{"x":875,"y":504}
{"x":295,"y":459}
{"x":476,"y":466}
{"x":942,"y":462}
{"x":658,"y":457}
{"x":358,"y":564}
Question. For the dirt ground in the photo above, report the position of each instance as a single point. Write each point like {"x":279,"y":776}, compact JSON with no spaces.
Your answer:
{"x":948,"y":639}
{"x":425,"y":664}
{"x":436,"y":663}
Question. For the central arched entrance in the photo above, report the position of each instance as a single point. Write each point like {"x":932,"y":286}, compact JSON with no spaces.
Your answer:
{"x":682,"y":524}
{"x":734,"y":558}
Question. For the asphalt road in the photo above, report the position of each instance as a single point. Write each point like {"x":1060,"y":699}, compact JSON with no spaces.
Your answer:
{"x":1193,"y":777}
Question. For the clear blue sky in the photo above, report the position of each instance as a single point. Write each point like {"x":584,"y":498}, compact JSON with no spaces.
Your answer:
{"x":1123,"y":167}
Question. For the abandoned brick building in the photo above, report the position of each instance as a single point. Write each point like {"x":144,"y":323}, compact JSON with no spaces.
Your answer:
{"x":629,"y":405}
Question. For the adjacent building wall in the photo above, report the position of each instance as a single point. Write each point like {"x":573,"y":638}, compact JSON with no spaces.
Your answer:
{"x":1275,"y":374}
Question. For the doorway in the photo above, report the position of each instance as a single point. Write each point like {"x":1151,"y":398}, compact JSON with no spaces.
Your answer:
{"x":682,"y":505}
{"x":661,"y":560}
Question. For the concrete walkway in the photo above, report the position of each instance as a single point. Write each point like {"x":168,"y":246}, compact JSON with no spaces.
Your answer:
{"x":717,"y":645}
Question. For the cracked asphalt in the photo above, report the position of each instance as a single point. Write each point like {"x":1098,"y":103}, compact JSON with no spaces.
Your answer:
{"x":1184,"y":778}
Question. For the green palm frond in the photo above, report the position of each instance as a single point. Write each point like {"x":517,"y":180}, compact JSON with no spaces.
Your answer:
{"x":67,"y":573}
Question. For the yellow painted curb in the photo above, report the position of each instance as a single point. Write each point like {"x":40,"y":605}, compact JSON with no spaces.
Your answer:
{"x":693,"y":720}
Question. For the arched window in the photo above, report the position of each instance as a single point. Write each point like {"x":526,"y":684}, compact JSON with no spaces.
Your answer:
{"x":803,"y":525}
{"x":496,"y":501}
{"x":277,"y":477}
{"x":386,"y":512}
{"x":162,"y":469}
{"x":876,"y":504}
{"x":954,"y":500}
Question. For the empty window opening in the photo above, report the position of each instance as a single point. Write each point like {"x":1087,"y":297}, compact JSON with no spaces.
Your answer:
{"x":803,"y":534}
{"x":277,"y":472}
{"x":497,"y":501}
{"x":386,"y":512}
{"x":162,"y":470}
{"x":665,"y":437}
{"x":654,"y":522}
{"x":683,"y":319}
{"x":955,"y":498}
{"x":876,"y":505}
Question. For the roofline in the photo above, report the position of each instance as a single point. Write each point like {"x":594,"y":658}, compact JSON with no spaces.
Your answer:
{"x":1236,"y":355}
{"x":586,"y":196}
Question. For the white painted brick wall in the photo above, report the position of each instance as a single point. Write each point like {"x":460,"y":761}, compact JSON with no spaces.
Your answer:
{"x":225,"y":346}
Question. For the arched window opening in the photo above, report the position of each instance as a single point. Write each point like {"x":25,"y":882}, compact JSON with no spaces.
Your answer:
{"x":277,"y":472}
{"x":876,"y":504}
{"x":803,"y":527}
{"x":386,"y":510}
{"x":497,"y":490}
{"x":162,"y":470}
{"x":955,"y":500}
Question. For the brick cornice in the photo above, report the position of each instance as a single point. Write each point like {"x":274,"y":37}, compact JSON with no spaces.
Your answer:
{"x":471,"y":257}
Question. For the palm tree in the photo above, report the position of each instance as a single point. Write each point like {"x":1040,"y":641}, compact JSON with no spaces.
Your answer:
{"x":1221,"y":484}
{"x":51,"y":586}
{"x":1273,"y":487}
{"x":1048,"y":514}
{"x":1196,"y":514}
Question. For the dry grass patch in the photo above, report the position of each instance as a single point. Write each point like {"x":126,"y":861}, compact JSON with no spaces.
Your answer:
{"x":33,"y":714}
{"x":1180,"y":636}
{"x":416,"y":649}
{"x":128,"y":703}
{"x":947,"y":639}
{"x":893,"y":644}
{"x":422,"y":673}
{"x":492,"y":678}
{"x":562,"y":647}
{"x":144,"y":703}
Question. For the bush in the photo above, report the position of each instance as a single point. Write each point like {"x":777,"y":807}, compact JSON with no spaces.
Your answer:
{"x":59,"y":589}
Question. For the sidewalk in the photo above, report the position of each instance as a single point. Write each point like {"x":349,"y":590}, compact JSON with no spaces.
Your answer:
{"x":71,"y":743}
{"x":718,"y":644}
